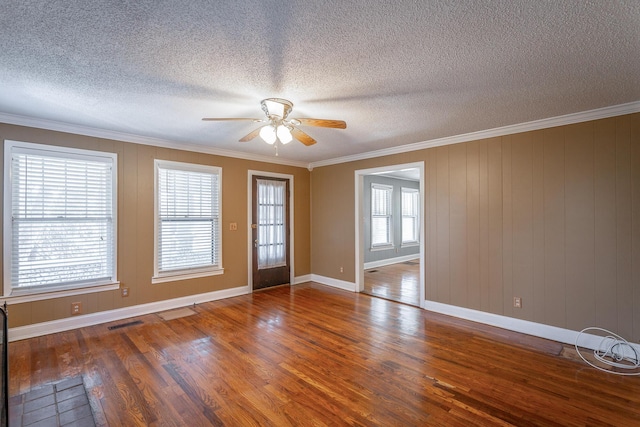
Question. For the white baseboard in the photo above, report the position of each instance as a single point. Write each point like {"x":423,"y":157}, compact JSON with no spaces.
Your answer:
{"x":336,"y":283}
{"x":554,"y":333}
{"x":302,"y":279}
{"x":45,"y":328}
{"x":389,"y":261}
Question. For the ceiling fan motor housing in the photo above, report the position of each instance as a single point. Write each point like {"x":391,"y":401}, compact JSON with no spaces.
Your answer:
{"x":276,"y":108}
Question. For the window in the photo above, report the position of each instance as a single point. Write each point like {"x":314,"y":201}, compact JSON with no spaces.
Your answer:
{"x":410,"y":215}
{"x":272,"y":223}
{"x":188,"y":235}
{"x":60,"y":218}
{"x":381,"y":215}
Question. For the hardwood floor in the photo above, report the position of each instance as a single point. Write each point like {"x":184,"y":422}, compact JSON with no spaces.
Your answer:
{"x":313,"y":355}
{"x":397,"y":282}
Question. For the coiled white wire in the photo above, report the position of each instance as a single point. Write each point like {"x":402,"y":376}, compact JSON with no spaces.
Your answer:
{"x":613,"y":351}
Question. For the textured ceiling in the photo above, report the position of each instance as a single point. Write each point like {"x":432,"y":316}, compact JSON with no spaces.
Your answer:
{"x":398,"y":72}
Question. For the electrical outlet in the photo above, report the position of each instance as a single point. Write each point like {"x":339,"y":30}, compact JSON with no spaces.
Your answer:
{"x":233,"y":226}
{"x":76,"y":308}
{"x":517,"y":302}
{"x":341,"y":269}
{"x":124,"y":292}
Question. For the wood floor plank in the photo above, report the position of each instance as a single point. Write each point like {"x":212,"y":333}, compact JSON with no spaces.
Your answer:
{"x":397,"y":282}
{"x":318,"y":356}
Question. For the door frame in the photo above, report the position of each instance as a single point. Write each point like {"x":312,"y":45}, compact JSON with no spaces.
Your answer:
{"x":359,"y":218}
{"x":250,"y":174}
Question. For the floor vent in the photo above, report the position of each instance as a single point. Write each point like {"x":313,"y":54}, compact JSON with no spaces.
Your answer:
{"x":372,"y":271}
{"x":124,"y":325}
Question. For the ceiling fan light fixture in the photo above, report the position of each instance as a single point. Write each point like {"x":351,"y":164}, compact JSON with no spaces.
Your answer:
{"x":284,"y":134}
{"x":268,"y":134}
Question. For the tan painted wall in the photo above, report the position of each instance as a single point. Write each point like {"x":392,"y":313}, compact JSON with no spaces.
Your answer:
{"x":552,"y":216}
{"x":135,"y":225}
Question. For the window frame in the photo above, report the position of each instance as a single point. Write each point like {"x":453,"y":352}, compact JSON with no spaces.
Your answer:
{"x":187,"y":273}
{"x":389,"y":243}
{"x":416,"y":231}
{"x":34,"y":293}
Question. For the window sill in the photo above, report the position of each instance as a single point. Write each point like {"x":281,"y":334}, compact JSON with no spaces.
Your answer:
{"x":185,"y":275}
{"x":381,"y":248}
{"x":410,"y":244}
{"x":26,"y":296}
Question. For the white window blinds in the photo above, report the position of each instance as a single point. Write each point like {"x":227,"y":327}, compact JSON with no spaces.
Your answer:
{"x":188,"y":217}
{"x":272,"y":224}
{"x":62,"y":217}
{"x":410,"y":215}
{"x":381,"y":208}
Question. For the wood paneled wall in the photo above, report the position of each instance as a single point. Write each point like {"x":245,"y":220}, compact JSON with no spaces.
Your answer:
{"x":551,"y":216}
{"x":135,"y":225}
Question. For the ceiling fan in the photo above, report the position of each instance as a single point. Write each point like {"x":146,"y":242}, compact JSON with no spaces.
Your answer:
{"x":279,"y":127}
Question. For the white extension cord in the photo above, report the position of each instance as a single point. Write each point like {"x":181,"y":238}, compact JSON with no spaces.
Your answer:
{"x":613,"y":351}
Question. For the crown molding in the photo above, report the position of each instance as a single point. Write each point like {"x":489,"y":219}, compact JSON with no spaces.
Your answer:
{"x":13,"y":119}
{"x":585,"y":116}
{"x":600,"y":113}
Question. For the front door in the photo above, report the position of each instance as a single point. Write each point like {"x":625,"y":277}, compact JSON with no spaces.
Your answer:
{"x":270,"y":229}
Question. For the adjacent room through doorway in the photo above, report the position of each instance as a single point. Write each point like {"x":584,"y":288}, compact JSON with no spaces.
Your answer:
{"x":397,"y":282}
{"x":390,"y":243}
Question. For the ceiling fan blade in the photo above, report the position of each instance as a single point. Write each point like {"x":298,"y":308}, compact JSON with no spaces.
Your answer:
{"x":216,"y":119}
{"x":336,"y":124}
{"x":250,"y":135}
{"x":302,"y":137}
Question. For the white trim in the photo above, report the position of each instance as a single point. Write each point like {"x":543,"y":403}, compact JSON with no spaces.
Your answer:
{"x":359,"y":231}
{"x":382,"y":247}
{"x":585,"y":116}
{"x":191,"y":274}
{"x":335,"y":283}
{"x":409,"y":244}
{"x":46,"y":328}
{"x":19,"y":299}
{"x":389,"y":261}
{"x":13,"y":119}
{"x":289,"y":177}
{"x":359,"y":222}
{"x":302,"y":279}
{"x":554,"y":333}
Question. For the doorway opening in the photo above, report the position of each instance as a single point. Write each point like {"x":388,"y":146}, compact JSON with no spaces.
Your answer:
{"x":390,"y":232}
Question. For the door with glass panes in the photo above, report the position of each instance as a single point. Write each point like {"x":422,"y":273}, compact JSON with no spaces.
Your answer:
{"x":270,"y":232}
